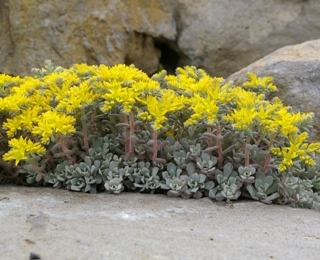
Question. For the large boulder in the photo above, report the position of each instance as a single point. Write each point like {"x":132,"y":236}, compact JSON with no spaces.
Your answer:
{"x":221,"y":36}
{"x":73,"y":31}
{"x":296,"y":72}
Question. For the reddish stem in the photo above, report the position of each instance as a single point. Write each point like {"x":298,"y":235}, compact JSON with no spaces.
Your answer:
{"x":247,"y":152}
{"x":131,"y":141}
{"x":209,"y":140}
{"x":64,"y":150}
{"x":219,"y":144}
{"x":266,"y":165}
{"x":126,"y":136}
{"x":155,"y":145}
{"x":85,"y":136}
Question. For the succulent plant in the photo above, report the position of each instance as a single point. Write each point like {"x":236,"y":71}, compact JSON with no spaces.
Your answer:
{"x":247,"y":174}
{"x":195,"y":151}
{"x":82,"y":177}
{"x":58,"y":177}
{"x":135,"y":173}
{"x":100,"y":150}
{"x":181,"y":158}
{"x":32,"y":177}
{"x":197,"y":183}
{"x":206,"y":163}
{"x":112,"y":142}
{"x":172,"y":172}
{"x":106,"y":130}
{"x":115,"y":171}
{"x":264,"y":189}
{"x":304,"y":198}
{"x":82,"y":181}
{"x":257,"y":155}
{"x":114,"y":185}
{"x":316,"y":182}
{"x":171,"y":148}
{"x":176,"y":186}
{"x":148,"y":181}
{"x":228,"y":187}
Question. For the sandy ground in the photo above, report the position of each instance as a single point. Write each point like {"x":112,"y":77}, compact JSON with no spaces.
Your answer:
{"x":57,"y":224}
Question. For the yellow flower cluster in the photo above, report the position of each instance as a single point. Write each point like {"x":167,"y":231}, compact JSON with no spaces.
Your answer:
{"x":272,"y":117}
{"x":22,"y":148}
{"x":49,"y":106}
{"x":122,"y":85}
{"x":297,"y":149}
{"x":145,"y":116}
{"x":51,"y":123}
{"x":159,"y":107}
{"x":259,"y":84}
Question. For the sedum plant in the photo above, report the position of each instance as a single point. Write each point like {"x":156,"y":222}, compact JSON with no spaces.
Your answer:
{"x":113,"y":128}
{"x":264,"y":189}
{"x":228,"y":187}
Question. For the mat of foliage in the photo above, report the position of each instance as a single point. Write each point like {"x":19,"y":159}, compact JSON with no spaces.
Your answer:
{"x":114,"y":129}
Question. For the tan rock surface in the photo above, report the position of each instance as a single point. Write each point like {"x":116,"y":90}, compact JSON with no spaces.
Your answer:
{"x":295,"y":70}
{"x":69,"y":32}
{"x":220,"y":36}
{"x":226,"y":35}
{"x":58,"y":224}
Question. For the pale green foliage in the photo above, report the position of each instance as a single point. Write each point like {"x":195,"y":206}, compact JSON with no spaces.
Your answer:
{"x":114,"y":129}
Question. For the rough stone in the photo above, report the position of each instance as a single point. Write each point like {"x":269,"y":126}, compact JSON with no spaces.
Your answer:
{"x":57,"y":224}
{"x":221,"y":36}
{"x":68,"y":32}
{"x":295,"y":71}
{"x":224,"y":36}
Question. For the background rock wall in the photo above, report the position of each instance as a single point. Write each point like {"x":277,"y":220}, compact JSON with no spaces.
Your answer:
{"x":75,"y":31}
{"x":221,"y":36}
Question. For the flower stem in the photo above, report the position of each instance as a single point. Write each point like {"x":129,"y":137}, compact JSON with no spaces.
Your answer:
{"x":126,"y":136}
{"x":247,"y":152}
{"x":131,"y":133}
{"x":209,"y":140}
{"x":267,"y":163}
{"x":155,"y":145}
{"x":85,"y":136}
{"x":268,"y":160}
{"x":65,"y":151}
{"x":219,"y":144}
{"x":85,"y":132}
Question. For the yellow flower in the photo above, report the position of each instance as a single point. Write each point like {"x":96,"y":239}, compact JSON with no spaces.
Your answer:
{"x":266,"y":112}
{"x":22,"y":148}
{"x":26,"y":120}
{"x":120,"y":73}
{"x":158,"y":108}
{"x":76,"y":97}
{"x":83,"y":69}
{"x":53,"y":122}
{"x":14,"y":103}
{"x":259,"y":84}
{"x":7,"y":82}
{"x":203,"y":108}
{"x":285,"y":121}
{"x":295,"y":150}
{"x":60,"y":83}
{"x":242,"y":118}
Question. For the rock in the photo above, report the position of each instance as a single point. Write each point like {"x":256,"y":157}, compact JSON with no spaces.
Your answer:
{"x":143,"y":53}
{"x":220,"y":36}
{"x":6,"y":42}
{"x":224,"y":36}
{"x":94,"y":32}
{"x":145,"y":226}
{"x":295,"y":71}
